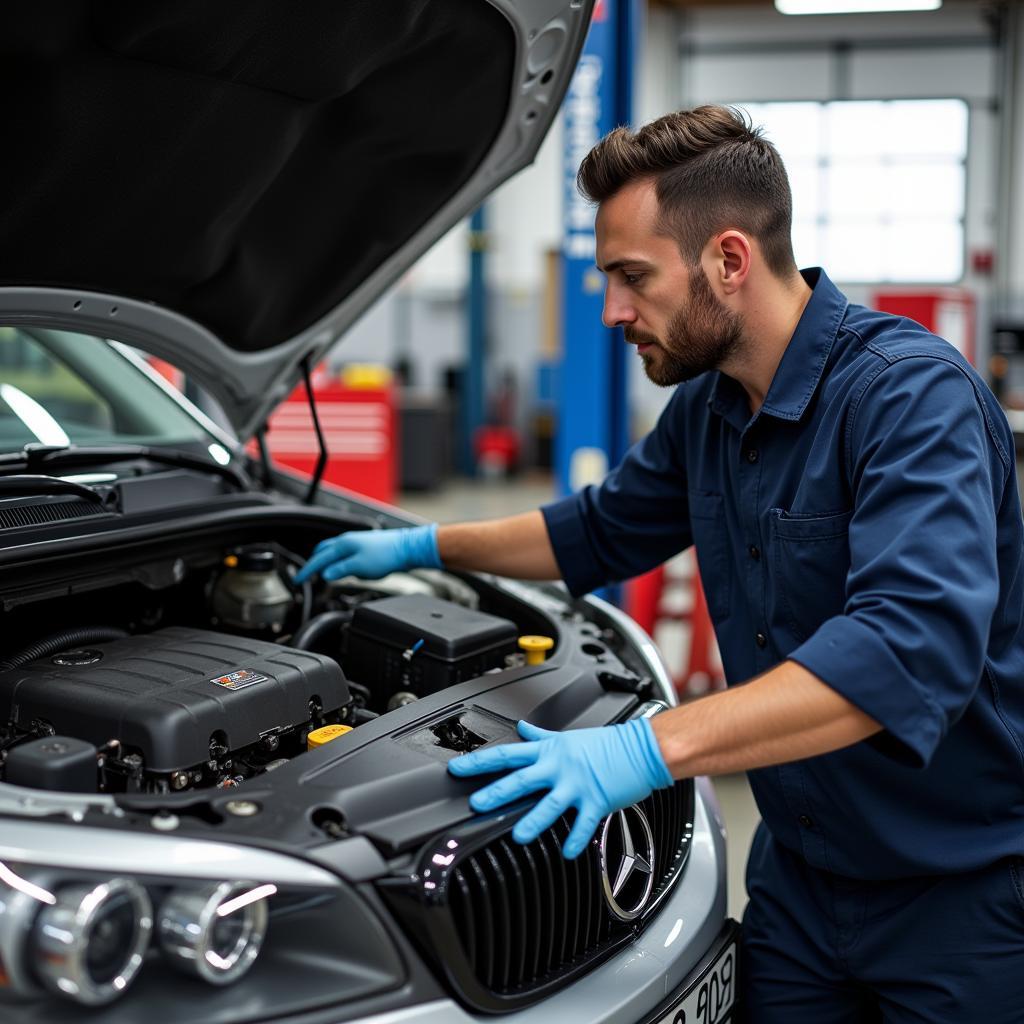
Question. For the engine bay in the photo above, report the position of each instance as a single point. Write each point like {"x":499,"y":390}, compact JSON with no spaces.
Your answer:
{"x":169,"y":676}
{"x":205,"y":669}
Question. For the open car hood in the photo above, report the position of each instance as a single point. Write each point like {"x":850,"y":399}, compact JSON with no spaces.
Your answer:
{"x":231,"y":185}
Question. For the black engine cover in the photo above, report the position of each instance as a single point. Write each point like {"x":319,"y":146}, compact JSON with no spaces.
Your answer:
{"x":164,"y":694}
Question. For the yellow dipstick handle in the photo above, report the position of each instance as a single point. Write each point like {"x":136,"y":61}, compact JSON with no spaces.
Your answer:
{"x":326,"y":733}
{"x":536,"y":648}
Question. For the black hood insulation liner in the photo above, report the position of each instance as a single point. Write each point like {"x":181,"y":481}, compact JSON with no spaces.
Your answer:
{"x":246,"y":164}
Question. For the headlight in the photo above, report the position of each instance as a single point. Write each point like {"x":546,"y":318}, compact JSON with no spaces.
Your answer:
{"x":88,"y":940}
{"x":89,"y":944}
{"x":76,"y":918}
{"x":92,"y":914}
{"x":215,"y":933}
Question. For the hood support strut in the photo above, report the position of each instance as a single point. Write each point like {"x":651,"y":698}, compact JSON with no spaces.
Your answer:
{"x":261,"y":443}
{"x":321,"y":462}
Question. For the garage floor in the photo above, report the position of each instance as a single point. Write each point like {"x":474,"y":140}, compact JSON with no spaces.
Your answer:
{"x":481,"y":500}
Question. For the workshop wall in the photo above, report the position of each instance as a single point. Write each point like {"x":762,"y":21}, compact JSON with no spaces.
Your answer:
{"x":946,"y":54}
{"x":716,"y":55}
{"x":762,"y":56}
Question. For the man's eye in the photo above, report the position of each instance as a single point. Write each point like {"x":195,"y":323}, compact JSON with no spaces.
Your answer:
{"x":632,"y":278}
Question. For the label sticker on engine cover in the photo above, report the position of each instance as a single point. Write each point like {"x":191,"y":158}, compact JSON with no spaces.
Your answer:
{"x":239,"y":680}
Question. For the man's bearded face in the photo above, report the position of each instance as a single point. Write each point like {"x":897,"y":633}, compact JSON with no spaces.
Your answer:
{"x":699,"y":337}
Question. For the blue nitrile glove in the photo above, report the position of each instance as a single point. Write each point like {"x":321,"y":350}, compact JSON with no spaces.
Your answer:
{"x":597,"y":771}
{"x":371,"y":554}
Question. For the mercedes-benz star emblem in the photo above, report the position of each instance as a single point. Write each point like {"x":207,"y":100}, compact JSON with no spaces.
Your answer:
{"x":627,"y":862}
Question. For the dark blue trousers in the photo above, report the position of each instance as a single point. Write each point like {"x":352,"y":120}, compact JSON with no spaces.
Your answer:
{"x":822,"y":949}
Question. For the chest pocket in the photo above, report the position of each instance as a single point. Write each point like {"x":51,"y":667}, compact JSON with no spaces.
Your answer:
{"x":711,"y":539}
{"x":811,"y":560}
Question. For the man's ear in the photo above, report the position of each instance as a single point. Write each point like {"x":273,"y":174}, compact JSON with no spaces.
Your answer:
{"x":730,"y":255}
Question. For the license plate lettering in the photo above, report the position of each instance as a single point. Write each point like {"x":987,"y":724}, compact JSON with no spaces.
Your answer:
{"x":711,"y":999}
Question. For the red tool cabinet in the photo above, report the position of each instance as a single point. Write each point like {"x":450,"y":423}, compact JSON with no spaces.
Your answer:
{"x":361,"y":430}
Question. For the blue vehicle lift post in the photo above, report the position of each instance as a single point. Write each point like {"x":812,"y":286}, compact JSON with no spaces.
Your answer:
{"x":593,"y":420}
{"x":472,"y":405}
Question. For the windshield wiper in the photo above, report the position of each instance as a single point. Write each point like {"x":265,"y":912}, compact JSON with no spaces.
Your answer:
{"x":36,"y":458}
{"x":22,"y":484}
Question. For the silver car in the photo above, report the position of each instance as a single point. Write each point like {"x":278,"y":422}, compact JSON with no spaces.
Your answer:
{"x":223,"y":795}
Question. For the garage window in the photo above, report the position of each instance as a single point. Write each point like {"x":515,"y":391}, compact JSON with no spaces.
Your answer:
{"x":879,"y":187}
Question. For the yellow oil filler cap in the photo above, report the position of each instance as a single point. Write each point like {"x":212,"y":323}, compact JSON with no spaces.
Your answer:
{"x":326,"y":733}
{"x":535,"y":648}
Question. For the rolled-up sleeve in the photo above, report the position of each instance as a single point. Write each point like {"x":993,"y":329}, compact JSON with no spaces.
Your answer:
{"x":923,"y":583}
{"x":634,"y":520}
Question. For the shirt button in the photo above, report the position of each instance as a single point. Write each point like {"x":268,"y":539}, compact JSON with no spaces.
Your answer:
{"x":752,"y":455}
{"x":761,"y":640}
{"x":755,"y":552}
{"x":805,"y":821}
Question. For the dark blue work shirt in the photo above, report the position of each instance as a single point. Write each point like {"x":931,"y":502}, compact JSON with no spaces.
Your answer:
{"x":864,"y":523}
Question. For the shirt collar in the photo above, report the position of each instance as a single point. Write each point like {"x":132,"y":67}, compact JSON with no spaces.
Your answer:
{"x":803,"y":362}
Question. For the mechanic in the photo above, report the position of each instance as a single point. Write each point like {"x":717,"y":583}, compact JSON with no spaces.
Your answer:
{"x":849,"y":483}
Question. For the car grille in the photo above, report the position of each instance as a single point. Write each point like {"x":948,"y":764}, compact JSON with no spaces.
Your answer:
{"x":510,"y":923}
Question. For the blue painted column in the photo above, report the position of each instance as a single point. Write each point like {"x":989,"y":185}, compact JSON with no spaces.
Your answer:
{"x":593,"y":412}
{"x":593,"y":421}
{"x":473,"y":398}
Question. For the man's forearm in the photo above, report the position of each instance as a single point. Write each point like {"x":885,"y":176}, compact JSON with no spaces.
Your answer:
{"x":784,"y":715}
{"x":516,"y":546}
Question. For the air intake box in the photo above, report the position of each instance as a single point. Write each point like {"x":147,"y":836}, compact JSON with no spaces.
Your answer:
{"x":423,"y":644}
{"x":165,"y":694}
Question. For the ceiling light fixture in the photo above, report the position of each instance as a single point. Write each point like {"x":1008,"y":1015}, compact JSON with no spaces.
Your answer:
{"x":854,"y":6}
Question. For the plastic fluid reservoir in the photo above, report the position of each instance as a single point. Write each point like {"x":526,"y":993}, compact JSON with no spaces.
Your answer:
{"x":250,"y":593}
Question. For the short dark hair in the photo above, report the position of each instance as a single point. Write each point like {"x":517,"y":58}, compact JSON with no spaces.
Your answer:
{"x":711,"y":169}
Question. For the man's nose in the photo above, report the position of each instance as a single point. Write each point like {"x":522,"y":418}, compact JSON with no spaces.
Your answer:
{"x":616,"y":312}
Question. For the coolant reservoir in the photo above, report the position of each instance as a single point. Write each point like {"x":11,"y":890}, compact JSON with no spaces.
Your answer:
{"x":250,"y":594}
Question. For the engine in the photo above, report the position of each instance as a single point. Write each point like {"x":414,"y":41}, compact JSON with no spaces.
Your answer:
{"x":155,"y":706}
{"x":167,"y":710}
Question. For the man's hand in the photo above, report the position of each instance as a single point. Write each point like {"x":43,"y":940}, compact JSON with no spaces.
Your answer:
{"x":371,"y":554}
{"x":597,"y":771}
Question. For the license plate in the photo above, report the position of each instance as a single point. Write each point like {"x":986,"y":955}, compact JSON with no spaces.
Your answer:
{"x":710,"y":1000}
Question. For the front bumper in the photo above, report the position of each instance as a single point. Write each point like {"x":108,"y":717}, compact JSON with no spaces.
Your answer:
{"x":730,"y":935}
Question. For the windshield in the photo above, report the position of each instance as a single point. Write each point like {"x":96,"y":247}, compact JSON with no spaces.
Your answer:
{"x":59,"y":388}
